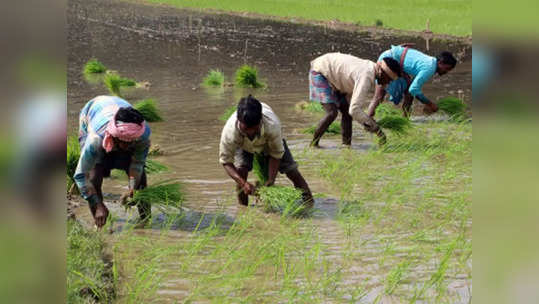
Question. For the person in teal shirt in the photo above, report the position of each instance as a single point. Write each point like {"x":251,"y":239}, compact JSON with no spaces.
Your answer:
{"x":418,"y":68}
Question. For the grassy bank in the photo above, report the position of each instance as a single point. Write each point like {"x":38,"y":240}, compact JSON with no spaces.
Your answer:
{"x":446,"y":17}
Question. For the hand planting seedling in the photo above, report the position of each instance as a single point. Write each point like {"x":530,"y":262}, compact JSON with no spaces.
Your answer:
{"x":148,"y":109}
{"x":247,"y":77}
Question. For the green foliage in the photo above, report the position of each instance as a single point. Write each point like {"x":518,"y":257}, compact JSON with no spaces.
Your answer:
{"x":228,"y":112}
{"x":285,"y":200}
{"x":379,"y":22}
{"x":310,"y":106}
{"x":397,"y":124}
{"x":453,"y":106}
{"x":334,"y":128}
{"x":152,"y":167}
{"x":168,"y":194}
{"x":247,"y":77}
{"x":73,"y":155}
{"x":261,"y":167}
{"x":88,"y":275}
{"x":395,"y":276}
{"x":93,"y":66}
{"x":215,"y":78}
{"x":387,"y":109}
{"x":148,"y":109}
{"x":114,"y":82}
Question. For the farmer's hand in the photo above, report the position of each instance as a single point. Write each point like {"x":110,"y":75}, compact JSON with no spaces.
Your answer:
{"x":430,"y":108}
{"x":101,"y":214}
{"x":248,"y":188}
{"x":371,"y":125}
{"x":269,"y":183}
{"x":381,"y":136}
{"x":126,"y":196}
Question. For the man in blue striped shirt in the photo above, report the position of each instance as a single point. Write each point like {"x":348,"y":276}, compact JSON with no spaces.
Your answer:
{"x":112,"y":135}
{"x":417,"y":68}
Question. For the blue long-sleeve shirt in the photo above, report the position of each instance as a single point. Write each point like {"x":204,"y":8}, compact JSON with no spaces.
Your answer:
{"x":93,"y":121}
{"x":416,"y":64}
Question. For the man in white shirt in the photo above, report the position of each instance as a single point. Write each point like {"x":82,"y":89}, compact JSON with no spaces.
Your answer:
{"x":254,"y":128}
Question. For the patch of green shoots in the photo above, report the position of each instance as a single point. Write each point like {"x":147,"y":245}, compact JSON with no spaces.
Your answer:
{"x":334,"y":128}
{"x":395,"y":276}
{"x":73,"y":155}
{"x":247,"y":77}
{"x":168,"y":194}
{"x":148,"y":109}
{"x":285,"y":200}
{"x":93,"y":66}
{"x":453,"y":106}
{"x":396,"y":124}
{"x":261,"y":167}
{"x":310,"y":106}
{"x":228,"y":112}
{"x":387,"y":109}
{"x":114,"y":82}
{"x":152,"y":167}
{"x":215,"y":78}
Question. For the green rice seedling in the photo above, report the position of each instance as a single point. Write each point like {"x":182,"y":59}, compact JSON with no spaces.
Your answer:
{"x":261,"y":167}
{"x":247,"y":77}
{"x":114,"y":82}
{"x":152,"y":167}
{"x":73,"y":155}
{"x":168,"y":194}
{"x":334,"y":128}
{"x":453,"y":106}
{"x":93,"y":66}
{"x":395,"y":276}
{"x":387,"y":109}
{"x":215,"y":78}
{"x":284,"y":200}
{"x":228,"y":112}
{"x":148,"y":109}
{"x":396,"y":124}
{"x":310,"y":106}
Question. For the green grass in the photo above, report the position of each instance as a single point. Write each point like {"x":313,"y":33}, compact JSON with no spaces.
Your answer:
{"x":93,"y":66}
{"x":114,"y":82}
{"x":310,"y":106}
{"x":228,"y":112}
{"x":247,"y":77}
{"x":397,"y":124}
{"x":281,"y":199}
{"x":215,"y":78}
{"x":73,"y":155}
{"x":89,"y":276}
{"x":151,"y":166}
{"x":165,"y":194}
{"x":261,"y":168}
{"x":446,"y":17}
{"x":148,"y":109}
{"x":334,"y":128}
{"x":452,"y":106}
{"x":387,"y":109}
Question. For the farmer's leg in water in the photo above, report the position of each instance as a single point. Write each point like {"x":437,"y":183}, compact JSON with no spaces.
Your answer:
{"x":98,"y":209}
{"x":346,"y":123}
{"x":329,"y":117}
{"x":243,"y":198}
{"x":144,"y":208}
{"x":407,"y":104}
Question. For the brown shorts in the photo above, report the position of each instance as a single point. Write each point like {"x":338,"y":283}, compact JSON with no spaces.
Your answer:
{"x":244,"y":159}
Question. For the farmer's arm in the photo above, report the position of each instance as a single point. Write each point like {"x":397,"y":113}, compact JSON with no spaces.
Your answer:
{"x":227,"y":149}
{"x":379,"y":93}
{"x":360,"y":96}
{"x":90,"y":153}
{"x":416,"y":86}
{"x":275,"y":151}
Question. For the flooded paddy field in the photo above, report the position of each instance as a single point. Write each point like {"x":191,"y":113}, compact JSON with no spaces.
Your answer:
{"x":390,"y":225}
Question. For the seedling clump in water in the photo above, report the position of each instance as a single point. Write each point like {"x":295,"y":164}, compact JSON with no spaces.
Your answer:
{"x":247,"y":77}
{"x":390,"y":118}
{"x":93,"y":66}
{"x":285,"y":200}
{"x":148,"y":109}
{"x":168,"y":194}
{"x":115,"y":82}
{"x":215,"y":78}
{"x":453,"y":106}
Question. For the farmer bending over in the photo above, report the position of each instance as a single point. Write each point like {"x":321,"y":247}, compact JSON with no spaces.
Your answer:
{"x":417,"y":69}
{"x":254,"y":128}
{"x":112,"y":135}
{"x":343,"y":82}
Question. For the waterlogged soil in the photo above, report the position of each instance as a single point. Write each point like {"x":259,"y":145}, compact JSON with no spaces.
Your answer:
{"x":172,"y":50}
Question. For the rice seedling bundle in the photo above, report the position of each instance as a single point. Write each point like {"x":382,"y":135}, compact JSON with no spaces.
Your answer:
{"x":261,"y":167}
{"x":93,"y":66}
{"x":279,"y":199}
{"x":115,"y":82}
{"x":387,"y":109}
{"x":334,"y":128}
{"x":228,"y":112}
{"x":397,"y":124}
{"x":148,"y":109}
{"x":152,"y":167}
{"x":215,"y":78}
{"x":452,"y":106}
{"x":247,"y":77}
{"x":168,"y":194}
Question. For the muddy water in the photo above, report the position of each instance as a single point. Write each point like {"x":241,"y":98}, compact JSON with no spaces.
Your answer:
{"x":173,"y":49}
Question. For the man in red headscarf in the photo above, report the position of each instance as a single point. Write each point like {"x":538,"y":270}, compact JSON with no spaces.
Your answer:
{"x":112,"y":135}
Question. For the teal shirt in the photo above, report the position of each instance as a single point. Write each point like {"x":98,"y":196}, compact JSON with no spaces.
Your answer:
{"x":416,"y":64}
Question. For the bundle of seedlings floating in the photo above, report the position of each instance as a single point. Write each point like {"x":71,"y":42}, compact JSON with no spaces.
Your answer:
{"x":310,"y":106}
{"x":114,"y":82}
{"x":148,"y":109}
{"x":93,"y":66}
{"x":164,"y":194}
{"x":73,"y":154}
{"x":334,"y":128}
{"x":151,"y":167}
{"x":390,"y":118}
{"x":215,"y":78}
{"x":454,"y":107}
{"x":228,"y":112}
{"x":285,"y":200}
{"x":247,"y":77}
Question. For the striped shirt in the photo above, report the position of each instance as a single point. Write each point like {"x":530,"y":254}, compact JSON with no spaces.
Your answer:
{"x":93,"y":121}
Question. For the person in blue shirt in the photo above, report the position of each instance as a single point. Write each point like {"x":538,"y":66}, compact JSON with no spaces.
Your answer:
{"x":417,"y":69}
